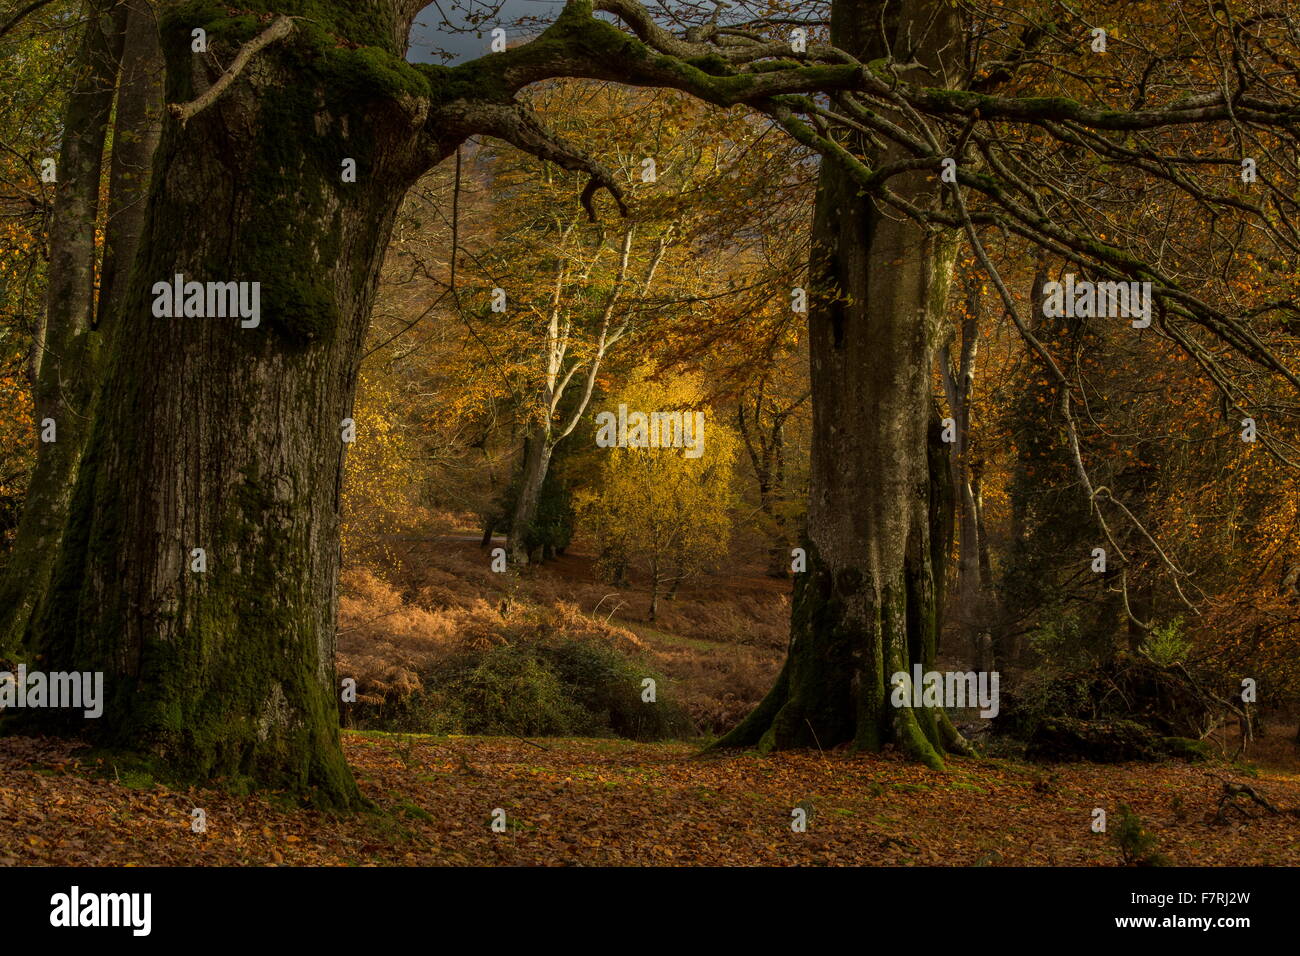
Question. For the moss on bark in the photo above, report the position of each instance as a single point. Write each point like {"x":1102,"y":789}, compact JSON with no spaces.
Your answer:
{"x":210,"y":435}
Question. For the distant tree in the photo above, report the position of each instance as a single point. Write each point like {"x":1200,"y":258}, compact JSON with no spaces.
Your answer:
{"x":764,"y":412}
{"x":383,"y":473}
{"x":660,"y":508}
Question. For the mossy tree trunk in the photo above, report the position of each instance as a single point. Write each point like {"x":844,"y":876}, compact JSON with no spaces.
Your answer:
{"x":211,"y":435}
{"x":137,"y":126}
{"x":66,"y":352}
{"x":958,"y":360}
{"x":867,"y":605}
{"x":533,"y":468}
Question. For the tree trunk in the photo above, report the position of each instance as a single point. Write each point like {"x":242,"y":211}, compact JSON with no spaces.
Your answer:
{"x":537,"y":459}
{"x":942,"y":519}
{"x":210,"y":435}
{"x":1004,"y":643}
{"x":959,"y":386}
{"x":778,"y":553}
{"x":767,"y":458}
{"x":985,"y":559}
{"x":137,"y":127}
{"x":778,"y":565}
{"x":654,"y":591}
{"x":66,"y":353}
{"x":866,"y":607}
{"x":969,"y":581}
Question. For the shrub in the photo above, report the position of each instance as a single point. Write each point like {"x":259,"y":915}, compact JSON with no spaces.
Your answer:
{"x":1185,"y":748}
{"x":1061,"y":639}
{"x":1124,"y":687}
{"x":547,"y":688}
{"x":608,"y":686}
{"x":508,"y":668}
{"x":510,"y":689}
{"x":1100,"y":741}
{"x":1041,"y":694}
{"x":1136,"y":846}
{"x":1166,"y":644}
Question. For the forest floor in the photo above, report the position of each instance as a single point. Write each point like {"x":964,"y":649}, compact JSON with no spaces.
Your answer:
{"x":614,"y":802}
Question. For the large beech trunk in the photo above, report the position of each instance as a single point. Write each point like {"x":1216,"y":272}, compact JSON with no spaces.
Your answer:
{"x":208,"y":435}
{"x":867,"y":605}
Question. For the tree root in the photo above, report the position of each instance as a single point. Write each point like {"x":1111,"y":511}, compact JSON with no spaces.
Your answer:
{"x":1228,"y":800}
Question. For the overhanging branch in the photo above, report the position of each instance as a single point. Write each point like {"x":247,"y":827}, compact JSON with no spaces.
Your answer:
{"x":513,"y":123}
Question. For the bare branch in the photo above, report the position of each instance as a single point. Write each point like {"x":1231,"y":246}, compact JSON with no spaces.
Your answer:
{"x":280,"y":28}
{"x":515,"y":124}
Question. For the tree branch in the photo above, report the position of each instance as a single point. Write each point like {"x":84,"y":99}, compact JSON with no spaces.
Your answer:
{"x":17,"y":17}
{"x":280,"y":28}
{"x":514,"y":123}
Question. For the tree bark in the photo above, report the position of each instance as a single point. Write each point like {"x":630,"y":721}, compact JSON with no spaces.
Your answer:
{"x":656,"y":586}
{"x":971,"y":580}
{"x":866,"y":606}
{"x":209,"y":435}
{"x":66,"y":353}
{"x":537,"y":459}
{"x":137,"y":127}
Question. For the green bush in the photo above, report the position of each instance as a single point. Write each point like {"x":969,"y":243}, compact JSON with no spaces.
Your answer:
{"x":510,"y":690}
{"x":1166,"y":644}
{"x":609,"y":687}
{"x":1124,"y":687}
{"x":425,"y":712}
{"x":1040,"y":694}
{"x":536,"y":686}
{"x":1185,"y":748}
{"x":1061,"y":639}
{"x":1136,"y":846}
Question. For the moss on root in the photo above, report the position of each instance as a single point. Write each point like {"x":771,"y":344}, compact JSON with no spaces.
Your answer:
{"x":214,"y":703}
{"x":833,"y":688}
